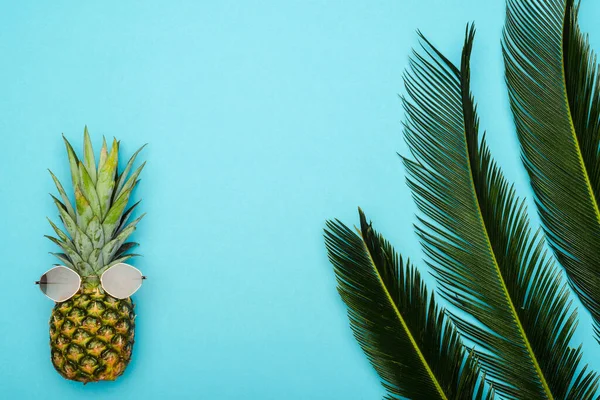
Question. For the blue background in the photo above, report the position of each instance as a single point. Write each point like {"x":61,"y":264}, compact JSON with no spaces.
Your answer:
{"x":263,"y":119}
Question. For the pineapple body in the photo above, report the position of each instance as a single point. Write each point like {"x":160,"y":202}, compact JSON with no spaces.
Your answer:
{"x":92,"y":336}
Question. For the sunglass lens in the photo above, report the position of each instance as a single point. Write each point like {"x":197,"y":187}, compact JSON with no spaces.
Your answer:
{"x":60,"y":283}
{"x":121,"y":280}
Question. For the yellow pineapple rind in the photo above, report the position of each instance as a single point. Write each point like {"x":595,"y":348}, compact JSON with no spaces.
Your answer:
{"x":92,"y":336}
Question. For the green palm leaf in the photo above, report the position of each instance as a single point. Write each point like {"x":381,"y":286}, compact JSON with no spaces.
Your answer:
{"x":552,"y":79}
{"x":477,"y":239}
{"x":414,"y":348}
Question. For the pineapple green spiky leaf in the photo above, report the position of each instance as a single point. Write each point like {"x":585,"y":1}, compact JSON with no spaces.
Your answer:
{"x":89,"y":190}
{"x":73,"y":255}
{"x":126,"y":215}
{"x":113,"y":217}
{"x":85,"y":268}
{"x":103,"y":155}
{"x":84,"y":210}
{"x":110,"y":249}
{"x":63,"y":196}
{"x":56,"y":241}
{"x":120,"y":260}
{"x":95,"y":232}
{"x":83,"y":244}
{"x":125,"y":173}
{"x":73,"y":161}
{"x":133,"y":223}
{"x":61,"y":234}
{"x":96,"y":259}
{"x":132,"y":180}
{"x":59,"y":204}
{"x":125,"y":247}
{"x":64,"y":259}
{"x":106,"y":178}
{"x":88,"y":155}
{"x":68,"y":222}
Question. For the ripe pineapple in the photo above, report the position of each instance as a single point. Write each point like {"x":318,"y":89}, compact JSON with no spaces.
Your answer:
{"x":92,"y":334}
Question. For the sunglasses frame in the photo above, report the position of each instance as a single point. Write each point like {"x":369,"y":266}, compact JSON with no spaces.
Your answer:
{"x":56,"y":267}
{"x":130,"y":266}
{"x":143,"y":277}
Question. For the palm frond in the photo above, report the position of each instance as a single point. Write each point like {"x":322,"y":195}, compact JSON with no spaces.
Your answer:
{"x":582,"y":76}
{"x":477,"y":239}
{"x":552,"y":79}
{"x":413,"y":347}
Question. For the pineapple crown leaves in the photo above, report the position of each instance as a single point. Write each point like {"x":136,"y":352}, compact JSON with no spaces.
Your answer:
{"x":97,"y":226}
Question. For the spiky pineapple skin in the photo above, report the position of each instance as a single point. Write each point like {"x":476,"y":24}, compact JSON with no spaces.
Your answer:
{"x":92,"y":336}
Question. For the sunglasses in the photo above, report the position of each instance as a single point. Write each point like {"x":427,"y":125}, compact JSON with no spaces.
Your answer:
{"x":61,"y":283}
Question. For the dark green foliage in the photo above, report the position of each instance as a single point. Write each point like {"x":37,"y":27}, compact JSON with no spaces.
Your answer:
{"x":477,"y":239}
{"x":552,"y":79}
{"x":412,"y":345}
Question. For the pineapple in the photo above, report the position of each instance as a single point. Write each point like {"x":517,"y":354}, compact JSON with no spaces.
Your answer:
{"x":92,"y":334}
